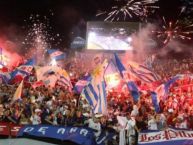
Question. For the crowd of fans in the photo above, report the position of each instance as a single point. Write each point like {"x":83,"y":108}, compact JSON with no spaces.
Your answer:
{"x":56,"y":106}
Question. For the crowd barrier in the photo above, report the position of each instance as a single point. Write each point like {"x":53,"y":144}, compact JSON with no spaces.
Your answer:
{"x":167,"y":137}
{"x":8,"y":129}
{"x":84,"y":135}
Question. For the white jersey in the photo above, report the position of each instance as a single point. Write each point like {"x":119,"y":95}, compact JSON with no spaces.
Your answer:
{"x":35,"y":119}
{"x":152,"y":124}
{"x":131,"y":127}
{"x":95,"y":126}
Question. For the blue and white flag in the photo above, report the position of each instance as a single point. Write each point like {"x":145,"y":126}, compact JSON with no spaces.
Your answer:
{"x":5,"y":76}
{"x":27,"y":67}
{"x":56,"y":54}
{"x":142,"y":73}
{"x":112,"y":76}
{"x":95,"y":91}
{"x":130,"y":84}
{"x":162,"y":91}
{"x":17,"y":76}
{"x":82,"y":83}
{"x":155,"y":102}
{"x":104,"y":136}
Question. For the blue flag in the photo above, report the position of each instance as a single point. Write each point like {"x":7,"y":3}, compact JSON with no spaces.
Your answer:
{"x":130,"y":84}
{"x":82,"y":83}
{"x":155,"y":102}
{"x":170,"y":82}
{"x":56,"y":54}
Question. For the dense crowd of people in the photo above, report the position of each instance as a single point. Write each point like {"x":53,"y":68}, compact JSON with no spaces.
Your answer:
{"x":57,"y":106}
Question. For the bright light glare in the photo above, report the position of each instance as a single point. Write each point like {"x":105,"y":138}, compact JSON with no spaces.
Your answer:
{"x":53,"y":62}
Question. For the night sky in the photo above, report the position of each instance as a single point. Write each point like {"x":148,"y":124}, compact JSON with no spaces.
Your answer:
{"x":69,"y":15}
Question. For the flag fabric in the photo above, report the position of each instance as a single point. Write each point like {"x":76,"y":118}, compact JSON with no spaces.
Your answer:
{"x":56,"y":54}
{"x":82,"y":82}
{"x":162,"y":91}
{"x":130,"y":84}
{"x":22,"y":71}
{"x":95,"y":91}
{"x":101,"y":106}
{"x":168,"y":84}
{"x":155,"y":102}
{"x":142,"y":73}
{"x":27,"y":67}
{"x":18,"y":92}
{"x":17,"y":76}
{"x":112,"y":76}
{"x":50,"y":81}
{"x":90,"y":95}
{"x":105,"y":136}
{"x":37,"y":84}
{"x":64,"y":81}
{"x":5,"y":76}
{"x":51,"y":75}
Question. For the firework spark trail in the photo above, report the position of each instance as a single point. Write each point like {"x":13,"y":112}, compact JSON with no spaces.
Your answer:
{"x":173,"y":31}
{"x":130,"y":9}
{"x":187,"y":6}
{"x":39,"y":37}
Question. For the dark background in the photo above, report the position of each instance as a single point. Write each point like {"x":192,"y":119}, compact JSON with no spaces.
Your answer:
{"x":70,"y":16}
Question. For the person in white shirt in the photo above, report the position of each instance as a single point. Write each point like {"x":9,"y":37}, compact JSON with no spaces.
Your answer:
{"x":152,"y":124}
{"x":35,"y":118}
{"x":135,"y":111}
{"x":130,"y":127}
{"x":94,"y":124}
{"x":181,"y":123}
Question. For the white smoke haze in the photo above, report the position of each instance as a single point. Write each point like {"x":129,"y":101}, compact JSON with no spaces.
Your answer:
{"x":142,"y":43}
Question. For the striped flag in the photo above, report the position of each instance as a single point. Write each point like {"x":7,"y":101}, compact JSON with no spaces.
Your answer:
{"x":155,"y":102}
{"x":112,"y":76}
{"x":56,"y":54}
{"x":132,"y":87}
{"x":162,"y":91}
{"x":101,"y":106}
{"x":64,"y":79}
{"x":5,"y":76}
{"x":95,"y":91}
{"x":142,"y":73}
{"x":18,"y":92}
{"x":27,"y":67}
{"x":17,"y":76}
{"x":22,"y":71}
{"x":82,"y":82}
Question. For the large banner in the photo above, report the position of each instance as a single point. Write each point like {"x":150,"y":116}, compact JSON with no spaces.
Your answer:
{"x":79,"y":135}
{"x":9,"y":129}
{"x":166,"y":137}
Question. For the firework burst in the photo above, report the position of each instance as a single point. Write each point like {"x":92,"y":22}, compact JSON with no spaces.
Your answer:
{"x":130,"y":8}
{"x":171,"y":30}
{"x":39,"y":36}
